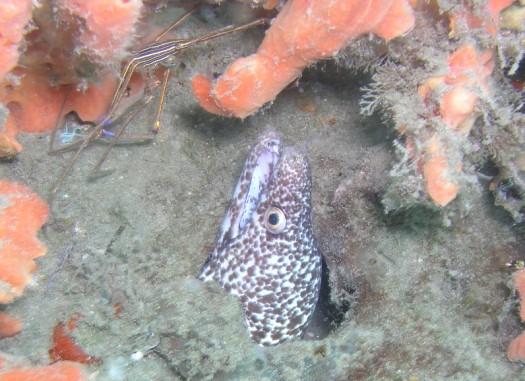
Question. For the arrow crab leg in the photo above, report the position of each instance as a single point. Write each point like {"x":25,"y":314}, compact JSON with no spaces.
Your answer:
{"x":154,"y":54}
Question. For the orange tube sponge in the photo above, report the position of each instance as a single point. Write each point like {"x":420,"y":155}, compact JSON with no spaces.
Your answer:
{"x":14,"y":16}
{"x":22,"y":214}
{"x":9,"y":325}
{"x":304,"y":31}
{"x":107,"y":26}
{"x":59,"y":371}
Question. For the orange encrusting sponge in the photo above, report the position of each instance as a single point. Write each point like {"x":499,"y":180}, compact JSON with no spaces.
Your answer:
{"x":36,"y":107}
{"x":304,"y":31}
{"x":108,"y":25}
{"x":9,"y":325}
{"x":458,"y":89}
{"x":14,"y":16}
{"x":102,"y":31}
{"x":22,"y":214}
{"x":59,"y":371}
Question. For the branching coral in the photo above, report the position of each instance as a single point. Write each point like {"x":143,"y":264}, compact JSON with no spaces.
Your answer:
{"x":302,"y":33}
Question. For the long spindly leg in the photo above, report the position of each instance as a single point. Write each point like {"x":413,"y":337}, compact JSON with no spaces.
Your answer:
{"x":93,"y":135}
{"x":138,"y":60}
{"x":221,"y":32}
{"x":154,"y":54}
{"x":128,"y":71}
{"x":160,"y":104}
{"x":95,"y":172}
{"x":179,"y":21}
{"x":186,"y":43}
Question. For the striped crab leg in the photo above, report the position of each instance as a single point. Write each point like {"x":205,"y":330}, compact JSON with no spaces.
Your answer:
{"x":156,"y":53}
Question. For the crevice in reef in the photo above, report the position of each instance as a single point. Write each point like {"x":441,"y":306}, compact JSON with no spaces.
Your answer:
{"x":328,"y":315}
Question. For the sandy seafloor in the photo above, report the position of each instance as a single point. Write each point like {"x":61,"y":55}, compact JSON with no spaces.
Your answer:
{"x":429,"y":302}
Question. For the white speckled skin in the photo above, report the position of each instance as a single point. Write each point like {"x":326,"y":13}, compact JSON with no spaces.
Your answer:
{"x":276,"y":275}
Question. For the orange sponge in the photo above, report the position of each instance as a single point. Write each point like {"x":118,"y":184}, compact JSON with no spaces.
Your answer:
{"x":9,"y":325}
{"x":36,"y":107}
{"x":22,"y":214}
{"x":304,"y":31}
{"x":468,"y":71}
{"x":107,"y":26}
{"x":59,"y":371}
{"x":14,"y":16}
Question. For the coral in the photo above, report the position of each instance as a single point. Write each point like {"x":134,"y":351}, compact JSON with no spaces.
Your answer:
{"x":22,"y":214}
{"x":9,"y":325}
{"x":59,"y":371}
{"x":14,"y":17}
{"x":302,"y":33}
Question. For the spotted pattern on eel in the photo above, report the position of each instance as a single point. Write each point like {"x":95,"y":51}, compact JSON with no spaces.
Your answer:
{"x":266,"y":253}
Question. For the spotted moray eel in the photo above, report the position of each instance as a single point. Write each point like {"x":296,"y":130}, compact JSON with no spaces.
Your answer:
{"x":266,"y":253}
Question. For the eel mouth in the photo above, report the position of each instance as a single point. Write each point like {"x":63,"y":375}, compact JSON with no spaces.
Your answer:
{"x":252,"y":185}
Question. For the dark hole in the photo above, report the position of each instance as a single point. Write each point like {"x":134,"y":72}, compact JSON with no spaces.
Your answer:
{"x":489,"y":168}
{"x":508,"y":190}
{"x":327,"y":315}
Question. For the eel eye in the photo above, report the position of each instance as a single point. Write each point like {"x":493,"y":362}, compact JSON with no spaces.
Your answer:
{"x":275,"y":220}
